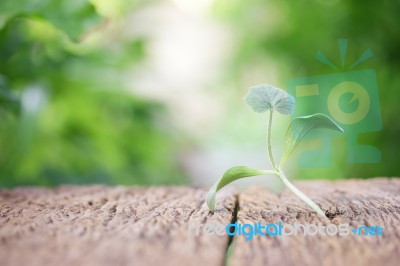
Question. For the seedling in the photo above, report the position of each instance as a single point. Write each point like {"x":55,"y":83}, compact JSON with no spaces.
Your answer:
{"x":263,"y":98}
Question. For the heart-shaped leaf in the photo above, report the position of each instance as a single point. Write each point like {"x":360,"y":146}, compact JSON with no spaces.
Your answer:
{"x":264,"y":97}
{"x":229,"y":176}
{"x":300,"y":127}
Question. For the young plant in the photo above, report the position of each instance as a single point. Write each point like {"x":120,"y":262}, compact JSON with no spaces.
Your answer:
{"x":263,"y":98}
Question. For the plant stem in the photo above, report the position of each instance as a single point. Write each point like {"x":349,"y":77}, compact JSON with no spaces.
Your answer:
{"x":300,"y":194}
{"x":271,"y":157}
{"x":280,"y":174}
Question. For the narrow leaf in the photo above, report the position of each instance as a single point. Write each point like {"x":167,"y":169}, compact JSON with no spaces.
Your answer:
{"x":229,"y":176}
{"x":300,"y":127}
{"x":264,"y":97}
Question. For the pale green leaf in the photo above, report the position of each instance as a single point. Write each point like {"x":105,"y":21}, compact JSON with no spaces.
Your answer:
{"x":264,"y":97}
{"x":229,"y":176}
{"x":300,"y":127}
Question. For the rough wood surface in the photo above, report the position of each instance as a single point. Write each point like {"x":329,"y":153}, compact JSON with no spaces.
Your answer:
{"x":100,"y":225}
{"x":369,"y":202}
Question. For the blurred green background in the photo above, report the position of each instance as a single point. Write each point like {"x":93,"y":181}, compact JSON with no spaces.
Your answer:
{"x":150,"y":92}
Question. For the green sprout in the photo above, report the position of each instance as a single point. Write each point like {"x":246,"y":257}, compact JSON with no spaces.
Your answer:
{"x":263,"y":98}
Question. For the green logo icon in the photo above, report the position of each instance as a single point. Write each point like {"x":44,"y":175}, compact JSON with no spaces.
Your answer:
{"x":358,"y":92}
{"x":350,"y":98}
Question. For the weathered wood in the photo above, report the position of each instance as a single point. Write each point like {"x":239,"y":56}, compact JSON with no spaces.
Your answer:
{"x":369,"y":202}
{"x":100,"y":225}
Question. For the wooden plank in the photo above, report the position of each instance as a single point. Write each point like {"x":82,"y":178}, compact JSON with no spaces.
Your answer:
{"x":357,"y":202}
{"x":100,"y":225}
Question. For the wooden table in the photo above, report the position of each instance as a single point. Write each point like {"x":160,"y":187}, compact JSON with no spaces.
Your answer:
{"x":100,"y":225}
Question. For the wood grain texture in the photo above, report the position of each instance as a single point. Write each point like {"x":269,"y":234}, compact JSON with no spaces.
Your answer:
{"x":99,"y":225}
{"x":356,"y":202}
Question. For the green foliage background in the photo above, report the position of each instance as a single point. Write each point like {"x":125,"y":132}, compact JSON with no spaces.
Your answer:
{"x":92,"y":130}
{"x":292,"y":34}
